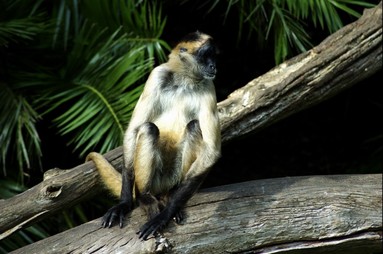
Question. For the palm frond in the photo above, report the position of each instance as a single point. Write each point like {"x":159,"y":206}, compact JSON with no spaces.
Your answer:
{"x":141,"y":21}
{"x":67,"y":22}
{"x":325,"y":13}
{"x":20,"y":25}
{"x":283,"y":20}
{"x":289,"y":33}
{"x":103,"y":72}
{"x":17,"y":30}
{"x":18,"y":134}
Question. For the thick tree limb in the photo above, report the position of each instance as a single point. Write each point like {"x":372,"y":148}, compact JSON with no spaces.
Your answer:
{"x":315,"y":214}
{"x":343,"y":59}
{"x":60,"y":189}
{"x":346,"y":57}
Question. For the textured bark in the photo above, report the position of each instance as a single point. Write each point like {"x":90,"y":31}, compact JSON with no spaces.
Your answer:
{"x":314,"y":214}
{"x":60,"y":189}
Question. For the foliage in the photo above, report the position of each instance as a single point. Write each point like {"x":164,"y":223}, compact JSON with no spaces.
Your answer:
{"x":19,"y":136}
{"x":68,"y":61}
{"x":284,"y":22}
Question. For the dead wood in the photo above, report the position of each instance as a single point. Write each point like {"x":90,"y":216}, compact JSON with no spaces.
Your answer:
{"x":313,"y":214}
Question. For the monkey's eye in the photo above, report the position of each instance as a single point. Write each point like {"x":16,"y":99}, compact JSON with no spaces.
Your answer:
{"x":183,"y":49}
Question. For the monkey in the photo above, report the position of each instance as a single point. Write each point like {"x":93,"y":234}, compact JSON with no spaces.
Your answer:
{"x":172,"y":141}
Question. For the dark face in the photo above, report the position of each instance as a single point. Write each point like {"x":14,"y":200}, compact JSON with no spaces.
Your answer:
{"x":206,"y":58}
{"x":198,"y":51}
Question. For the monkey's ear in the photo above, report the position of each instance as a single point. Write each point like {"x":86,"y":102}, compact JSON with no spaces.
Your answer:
{"x":182,"y":49}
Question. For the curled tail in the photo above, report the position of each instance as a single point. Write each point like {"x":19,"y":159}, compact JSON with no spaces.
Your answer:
{"x":109,"y":175}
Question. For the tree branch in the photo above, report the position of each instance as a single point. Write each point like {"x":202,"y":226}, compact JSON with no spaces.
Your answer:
{"x":314,"y":214}
{"x":346,"y":57}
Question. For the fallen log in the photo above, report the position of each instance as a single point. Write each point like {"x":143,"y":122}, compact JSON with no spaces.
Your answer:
{"x":308,"y":214}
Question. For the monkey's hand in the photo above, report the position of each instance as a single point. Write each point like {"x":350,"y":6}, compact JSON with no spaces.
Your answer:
{"x":115,"y":213}
{"x":154,"y":225}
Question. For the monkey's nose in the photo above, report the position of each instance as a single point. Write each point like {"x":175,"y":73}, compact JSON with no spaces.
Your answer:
{"x":210,"y":71}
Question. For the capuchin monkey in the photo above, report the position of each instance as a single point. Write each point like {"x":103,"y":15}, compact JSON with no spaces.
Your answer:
{"x":172,"y":141}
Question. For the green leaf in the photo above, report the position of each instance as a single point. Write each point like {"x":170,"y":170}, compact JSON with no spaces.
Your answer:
{"x":105,"y":69}
{"x":19,"y":135}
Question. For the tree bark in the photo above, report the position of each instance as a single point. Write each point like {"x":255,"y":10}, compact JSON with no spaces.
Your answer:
{"x":314,"y":214}
{"x":60,"y":189}
{"x":343,"y":59}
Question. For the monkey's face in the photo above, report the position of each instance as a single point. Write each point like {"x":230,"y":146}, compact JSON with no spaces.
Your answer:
{"x":206,"y":59}
{"x":197,"y":53}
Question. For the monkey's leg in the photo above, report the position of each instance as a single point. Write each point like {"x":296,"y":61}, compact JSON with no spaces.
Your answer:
{"x":139,"y":173}
{"x":149,"y":204}
{"x":180,"y":215}
{"x":147,"y":160}
{"x":192,"y":156}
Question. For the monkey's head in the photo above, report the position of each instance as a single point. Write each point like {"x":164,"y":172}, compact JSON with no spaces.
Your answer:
{"x":196,"y":54}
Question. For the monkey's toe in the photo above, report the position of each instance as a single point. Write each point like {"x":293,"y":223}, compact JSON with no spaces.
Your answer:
{"x":114,"y":214}
{"x":179,"y":217}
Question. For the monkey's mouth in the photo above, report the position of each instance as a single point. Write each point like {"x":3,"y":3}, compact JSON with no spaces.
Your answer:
{"x":209,"y":74}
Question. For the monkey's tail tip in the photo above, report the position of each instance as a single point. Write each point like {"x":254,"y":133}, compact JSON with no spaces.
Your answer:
{"x":92,"y":156}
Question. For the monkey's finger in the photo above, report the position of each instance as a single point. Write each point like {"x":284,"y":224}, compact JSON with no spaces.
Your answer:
{"x":107,"y":223}
{"x":179,"y":217}
{"x":147,"y":229}
{"x":143,"y":234}
{"x":103,"y":223}
{"x":122,"y":217}
{"x":105,"y":220}
{"x":108,"y":219}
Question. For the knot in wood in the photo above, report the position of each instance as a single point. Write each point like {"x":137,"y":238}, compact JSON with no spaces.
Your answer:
{"x":52,"y":191}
